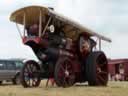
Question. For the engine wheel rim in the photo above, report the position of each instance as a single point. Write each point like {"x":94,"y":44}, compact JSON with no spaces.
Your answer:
{"x":31,"y":75}
{"x":101,"y":71}
{"x":66,"y":74}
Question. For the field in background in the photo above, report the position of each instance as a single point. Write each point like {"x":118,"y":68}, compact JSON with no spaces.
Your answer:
{"x":113,"y":89}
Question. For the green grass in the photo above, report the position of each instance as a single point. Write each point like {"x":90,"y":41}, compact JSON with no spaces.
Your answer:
{"x":113,"y":89}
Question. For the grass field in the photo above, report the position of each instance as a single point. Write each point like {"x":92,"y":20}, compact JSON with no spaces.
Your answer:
{"x":113,"y":89}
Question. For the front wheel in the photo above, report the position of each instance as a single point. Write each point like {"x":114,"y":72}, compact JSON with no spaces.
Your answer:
{"x":97,"y":69}
{"x":30,"y":74}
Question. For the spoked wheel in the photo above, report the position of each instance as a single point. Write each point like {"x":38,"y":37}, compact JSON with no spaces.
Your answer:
{"x":64,"y":72}
{"x":30,"y":76}
{"x":96,"y":69}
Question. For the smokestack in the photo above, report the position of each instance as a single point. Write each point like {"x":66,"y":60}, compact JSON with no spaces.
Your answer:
{"x":51,"y":8}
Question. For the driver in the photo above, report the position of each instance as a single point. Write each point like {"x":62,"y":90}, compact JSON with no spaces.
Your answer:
{"x":84,"y":45}
{"x":33,"y":30}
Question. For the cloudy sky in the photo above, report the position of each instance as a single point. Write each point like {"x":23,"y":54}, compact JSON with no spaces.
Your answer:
{"x":107,"y":17}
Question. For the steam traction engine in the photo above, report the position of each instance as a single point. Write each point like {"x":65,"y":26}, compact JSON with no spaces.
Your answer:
{"x":64,"y":47}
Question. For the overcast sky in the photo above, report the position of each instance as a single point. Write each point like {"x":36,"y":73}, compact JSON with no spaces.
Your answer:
{"x":107,"y":17}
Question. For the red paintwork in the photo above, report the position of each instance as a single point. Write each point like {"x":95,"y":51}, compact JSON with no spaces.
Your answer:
{"x":111,"y":69}
{"x":36,"y":39}
{"x":76,"y":66}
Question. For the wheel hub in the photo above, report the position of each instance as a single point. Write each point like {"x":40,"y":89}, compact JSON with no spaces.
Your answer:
{"x":66,"y":73}
{"x":98,"y":70}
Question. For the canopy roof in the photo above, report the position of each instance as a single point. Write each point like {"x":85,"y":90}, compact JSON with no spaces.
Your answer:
{"x":32,"y":14}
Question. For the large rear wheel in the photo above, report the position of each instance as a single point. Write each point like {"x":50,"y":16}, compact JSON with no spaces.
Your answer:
{"x":97,"y":69}
{"x":64,"y":72}
{"x":30,"y":74}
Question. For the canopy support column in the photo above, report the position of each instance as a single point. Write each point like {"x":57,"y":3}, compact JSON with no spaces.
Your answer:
{"x":40,"y":23}
{"x":47,"y":25}
{"x":100,"y":44}
{"x":24,"y":22}
{"x":18,"y":30}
